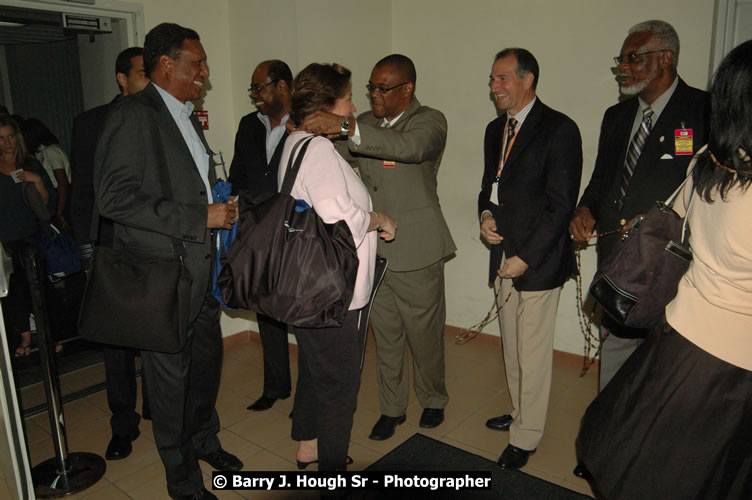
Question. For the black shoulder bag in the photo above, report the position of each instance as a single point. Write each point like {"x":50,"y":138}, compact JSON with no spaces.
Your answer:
{"x":287,"y":263}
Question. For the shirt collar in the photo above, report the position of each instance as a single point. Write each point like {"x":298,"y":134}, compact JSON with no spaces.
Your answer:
{"x":177,"y":109}
{"x":522,"y":114}
{"x":389,"y":123}
{"x":268,"y":123}
{"x":660,"y":103}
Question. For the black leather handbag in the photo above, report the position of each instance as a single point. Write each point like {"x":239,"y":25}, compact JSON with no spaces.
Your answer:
{"x":642,"y":274}
{"x":287,"y":263}
{"x":137,"y":300}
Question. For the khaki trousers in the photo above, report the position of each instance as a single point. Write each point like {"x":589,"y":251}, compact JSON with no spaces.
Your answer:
{"x":409,"y":310}
{"x":527,"y":325}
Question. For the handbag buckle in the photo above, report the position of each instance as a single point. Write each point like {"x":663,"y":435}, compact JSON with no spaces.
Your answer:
{"x":291,"y":229}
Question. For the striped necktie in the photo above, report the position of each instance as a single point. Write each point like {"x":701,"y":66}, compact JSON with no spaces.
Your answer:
{"x":633,"y":153}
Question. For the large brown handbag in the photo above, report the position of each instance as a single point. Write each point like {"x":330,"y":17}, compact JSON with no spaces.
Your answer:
{"x":640,"y":277}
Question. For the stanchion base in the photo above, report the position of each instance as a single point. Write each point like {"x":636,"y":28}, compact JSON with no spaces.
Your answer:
{"x":85,"y":469}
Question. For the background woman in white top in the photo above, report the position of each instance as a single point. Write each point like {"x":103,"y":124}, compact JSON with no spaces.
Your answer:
{"x":329,"y":358}
{"x":43,"y":144}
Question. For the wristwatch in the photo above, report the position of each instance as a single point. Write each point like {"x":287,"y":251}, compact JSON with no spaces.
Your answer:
{"x":344,"y":127}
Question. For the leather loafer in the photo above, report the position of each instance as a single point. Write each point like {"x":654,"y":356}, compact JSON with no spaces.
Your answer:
{"x":204,"y":494}
{"x":385,"y":426}
{"x":222,"y":460}
{"x":513,"y":457}
{"x":501,"y":423}
{"x":119,"y":447}
{"x":582,"y":472}
{"x":432,"y":417}
{"x":264,"y":403}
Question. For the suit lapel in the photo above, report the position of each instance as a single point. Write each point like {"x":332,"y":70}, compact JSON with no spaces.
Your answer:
{"x":669,"y":120}
{"x":527,"y":132}
{"x":274,"y":163}
{"x":400,"y":124}
{"x":173,"y":146}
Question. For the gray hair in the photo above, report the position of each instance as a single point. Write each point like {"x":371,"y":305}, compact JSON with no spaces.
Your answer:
{"x":663,"y":32}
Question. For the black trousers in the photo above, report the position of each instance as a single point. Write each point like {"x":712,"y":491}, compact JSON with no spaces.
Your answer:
{"x":276,"y":357}
{"x":120,"y":378}
{"x":327,"y":389}
{"x":17,"y":304}
{"x":182,"y":391}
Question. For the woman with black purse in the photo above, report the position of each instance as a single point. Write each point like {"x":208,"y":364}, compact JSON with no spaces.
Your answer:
{"x":329,"y":358}
{"x":24,"y":189}
{"x":676,"y":420}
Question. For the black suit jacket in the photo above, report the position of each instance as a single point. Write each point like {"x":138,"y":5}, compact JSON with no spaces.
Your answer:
{"x":139,"y":139}
{"x":86,"y":130}
{"x":658,"y":171}
{"x":249,"y":170}
{"x":537,"y":195}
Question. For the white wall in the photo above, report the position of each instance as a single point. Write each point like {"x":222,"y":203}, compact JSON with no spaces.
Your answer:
{"x":452,"y":45}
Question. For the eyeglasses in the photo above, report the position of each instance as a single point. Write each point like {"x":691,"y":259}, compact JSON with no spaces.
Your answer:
{"x":257,"y":89}
{"x":381,"y":89}
{"x":634,"y":56}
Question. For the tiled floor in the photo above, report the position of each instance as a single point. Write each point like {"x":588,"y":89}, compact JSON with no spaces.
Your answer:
{"x":477,"y":390}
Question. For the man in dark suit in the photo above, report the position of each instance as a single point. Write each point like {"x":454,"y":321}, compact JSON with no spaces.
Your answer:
{"x":146,"y":136}
{"x":669,"y":121}
{"x":397,"y":147}
{"x":258,"y":147}
{"x":119,"y":364}
{"x":533,"y":164}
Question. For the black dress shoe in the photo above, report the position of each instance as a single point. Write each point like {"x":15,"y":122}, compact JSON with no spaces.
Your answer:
{"x":384,"y":428}
{"x":120,"y":447}
{"x":264,"y":403}
{"x":582,"y":472}
{"x":501,"y":423}
{"x":432,"y":417}
{"x":513,"y":457}
{"x":222,"y":460}
{"x":204,"y":494}
{"x":303,"y":465}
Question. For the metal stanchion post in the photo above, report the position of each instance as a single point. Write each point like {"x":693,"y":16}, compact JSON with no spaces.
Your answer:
{"x":65,"y":473}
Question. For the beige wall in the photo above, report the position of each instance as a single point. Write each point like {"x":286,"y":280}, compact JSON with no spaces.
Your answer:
{"x":452,"y":47}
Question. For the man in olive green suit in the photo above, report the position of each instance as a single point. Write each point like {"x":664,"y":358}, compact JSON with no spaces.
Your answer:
{"x":397,"y":148}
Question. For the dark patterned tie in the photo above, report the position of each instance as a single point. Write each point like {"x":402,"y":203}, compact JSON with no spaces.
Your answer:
{"x":511,"y":125}
{"x":633,"y":153}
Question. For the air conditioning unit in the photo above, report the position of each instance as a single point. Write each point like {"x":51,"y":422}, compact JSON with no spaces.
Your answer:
{"x":89,"y":24}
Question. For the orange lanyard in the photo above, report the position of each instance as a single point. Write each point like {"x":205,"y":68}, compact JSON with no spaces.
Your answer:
{"x":503,"y":157}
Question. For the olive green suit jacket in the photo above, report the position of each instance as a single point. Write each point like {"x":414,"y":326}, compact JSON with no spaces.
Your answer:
{"x":399,"y":166}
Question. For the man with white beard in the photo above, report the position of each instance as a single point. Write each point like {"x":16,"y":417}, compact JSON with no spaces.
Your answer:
{"x":645,"y":145}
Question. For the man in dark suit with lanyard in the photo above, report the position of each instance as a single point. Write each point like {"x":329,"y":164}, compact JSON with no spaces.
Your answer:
{"x":119,"y":364}
{"x":645,"y":145}
{"x":533,"y":164}
{"x":146,"y":136}
{"x":258,"y":147}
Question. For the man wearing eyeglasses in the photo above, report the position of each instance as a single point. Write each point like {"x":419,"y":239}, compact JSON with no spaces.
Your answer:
{"x":645,"y":146}
{"x":398,"y":147}
{"x":258,"y":148}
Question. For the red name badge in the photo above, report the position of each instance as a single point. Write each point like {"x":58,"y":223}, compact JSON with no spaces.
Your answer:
{"x":389,"y":164}
{"x":683,"y":141}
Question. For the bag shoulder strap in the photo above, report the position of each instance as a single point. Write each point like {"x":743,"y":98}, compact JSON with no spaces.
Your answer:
{"x":291,"y":172}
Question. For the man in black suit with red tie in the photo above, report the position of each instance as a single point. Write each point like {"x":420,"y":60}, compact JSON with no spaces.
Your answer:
{"x":119,"y":363}
{"x":258,"y":147}
{"x":645,"y":146}
{"x":533,"y":164}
